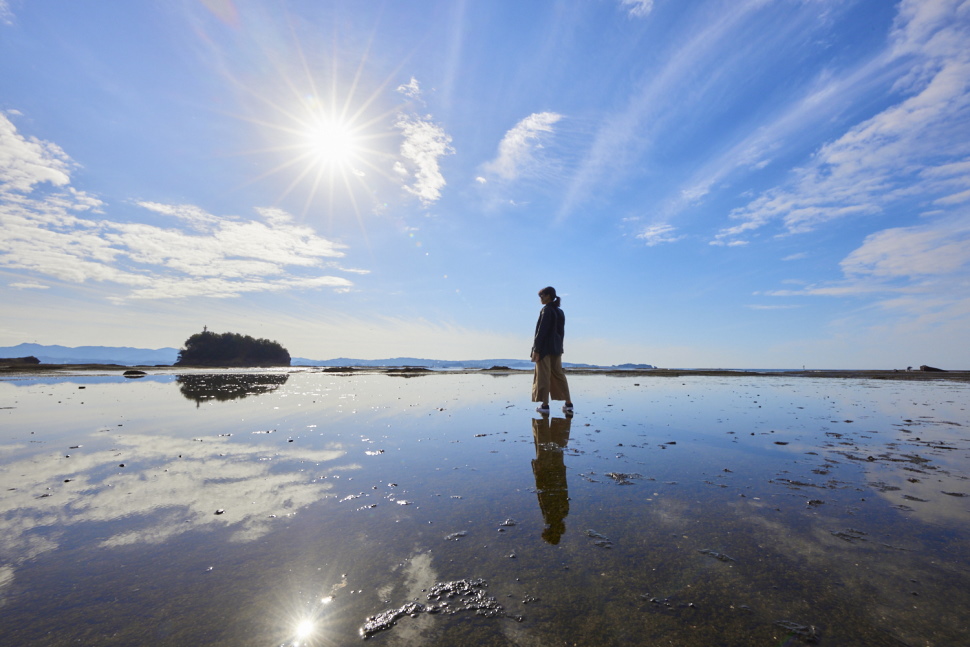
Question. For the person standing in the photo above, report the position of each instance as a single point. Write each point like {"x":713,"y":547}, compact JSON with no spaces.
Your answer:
{"x":549,"y":379}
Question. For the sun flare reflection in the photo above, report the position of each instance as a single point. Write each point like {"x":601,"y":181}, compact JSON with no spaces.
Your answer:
{"x":305,"y":629}
{"x":310,"y":623}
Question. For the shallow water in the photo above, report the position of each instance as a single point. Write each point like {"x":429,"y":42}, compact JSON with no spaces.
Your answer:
{"x":315,"y":509}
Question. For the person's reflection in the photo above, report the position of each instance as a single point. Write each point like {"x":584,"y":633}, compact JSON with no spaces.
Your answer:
{"x":550,"y":436}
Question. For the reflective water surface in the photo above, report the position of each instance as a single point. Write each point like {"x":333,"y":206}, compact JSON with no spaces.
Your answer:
{"x":316,"y":508}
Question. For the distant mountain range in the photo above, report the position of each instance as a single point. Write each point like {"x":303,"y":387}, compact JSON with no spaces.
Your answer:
{"x":127,"y":356}
{"x":123,"y":355}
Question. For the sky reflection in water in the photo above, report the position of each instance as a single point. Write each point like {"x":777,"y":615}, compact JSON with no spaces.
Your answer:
{"x":289,"y":509}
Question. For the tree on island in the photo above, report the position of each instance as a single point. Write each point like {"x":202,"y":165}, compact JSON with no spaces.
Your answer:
{"x":231,"y":349}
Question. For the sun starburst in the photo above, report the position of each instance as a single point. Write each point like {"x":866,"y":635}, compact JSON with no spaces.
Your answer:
{"x":332,"y":143}
{"x":331,"y":146}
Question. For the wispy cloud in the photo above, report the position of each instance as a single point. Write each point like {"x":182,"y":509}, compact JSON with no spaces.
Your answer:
{"x":908,"y":151}
{"x":411,"y":89}
{"x":50,"y":228}
{"x":516,"y":151}
{"x":773,"y":307}
{"x":912,"y":252}
{"x":657,"y":234}
{"x":27,"y":161}
{"x":637,"y":8}
{"x":425,"y":142}
{"x":753,"y":150}
{"x":625,"y":134}
{"x":6,"y":15}
{"x":20,"y":285}
{"x":728,"y":243}
{"x":919,"y":272}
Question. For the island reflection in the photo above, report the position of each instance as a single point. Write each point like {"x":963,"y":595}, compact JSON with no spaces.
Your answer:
{"x":551,"y":436}
{"x":201,"y":388}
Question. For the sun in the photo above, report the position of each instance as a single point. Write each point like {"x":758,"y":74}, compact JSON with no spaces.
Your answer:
{"x":324,"y":152}
{"x":329,"y":137}
{"x":332,"y":143}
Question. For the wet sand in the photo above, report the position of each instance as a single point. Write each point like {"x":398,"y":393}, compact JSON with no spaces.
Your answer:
{"x":437,"y":508}
{"x":863,"y":374}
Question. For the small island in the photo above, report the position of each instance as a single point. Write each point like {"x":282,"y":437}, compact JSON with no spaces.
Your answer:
{"x":231,"y":349}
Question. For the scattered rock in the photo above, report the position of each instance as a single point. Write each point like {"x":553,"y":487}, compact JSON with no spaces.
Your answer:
{"x":808,"y":633}
{"x":849,"y":534}
{"x":601,"y":540}
{"x":623,"y":479}
{"x":443,"y":598}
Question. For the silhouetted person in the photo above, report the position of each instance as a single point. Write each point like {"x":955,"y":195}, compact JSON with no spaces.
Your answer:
{"x":549,"y":378}
{"x":551,"y":436}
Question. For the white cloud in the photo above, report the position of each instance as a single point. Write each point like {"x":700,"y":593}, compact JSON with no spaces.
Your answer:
{"x":657,"y":234}
{"x":638,"y":8}
{"x":6,"y":15}
{"x":424,"y":143}
{"x":27,"y":161}
{"x":187,"y":213}
{"x":29,"y":286}
{"x":517,"y":148}
{"x":913,"y":149}
{"x":955,"y":198}
{"x":795,"y":257}
{"x":925,"y":250}
{"x":186,"y":488}
{"x":216,"y":256}
{"x":729,"y":243}
{"x":918,"y":274}
{"x":656,"y":101}
{"x":412,"y":89}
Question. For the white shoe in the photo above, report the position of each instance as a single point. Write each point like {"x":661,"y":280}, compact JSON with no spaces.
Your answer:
{"x":567,"y":408}
{"x":543,"y":408}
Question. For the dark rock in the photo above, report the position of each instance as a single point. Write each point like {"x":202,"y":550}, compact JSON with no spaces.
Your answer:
{"x":19,"y":360}
{"x":716,"y":555}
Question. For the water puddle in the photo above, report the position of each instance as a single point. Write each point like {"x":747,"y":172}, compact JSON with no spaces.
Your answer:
{"x":321,"y":508}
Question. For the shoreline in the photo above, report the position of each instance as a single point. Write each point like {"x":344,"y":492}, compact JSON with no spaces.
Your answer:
{"x":29,"y":370}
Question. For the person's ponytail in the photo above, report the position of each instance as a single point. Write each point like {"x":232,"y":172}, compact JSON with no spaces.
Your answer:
{"x":551,"y":291}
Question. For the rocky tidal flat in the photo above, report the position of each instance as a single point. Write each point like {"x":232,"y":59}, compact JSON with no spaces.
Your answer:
{"x":313,"y":507}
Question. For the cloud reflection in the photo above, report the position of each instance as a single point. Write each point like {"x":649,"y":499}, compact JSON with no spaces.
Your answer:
{"x":161,"y":486}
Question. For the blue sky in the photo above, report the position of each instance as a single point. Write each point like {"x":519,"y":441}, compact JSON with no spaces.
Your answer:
{"x":716,"y":183}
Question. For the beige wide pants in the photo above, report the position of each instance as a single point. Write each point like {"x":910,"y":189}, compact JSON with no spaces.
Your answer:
{"x":550,"y":380}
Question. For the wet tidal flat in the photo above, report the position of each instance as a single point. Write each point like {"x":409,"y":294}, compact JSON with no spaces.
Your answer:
{"x":313,"y":508}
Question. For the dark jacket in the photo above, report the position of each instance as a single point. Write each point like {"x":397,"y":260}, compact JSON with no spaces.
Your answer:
{"x":550,"y":330}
